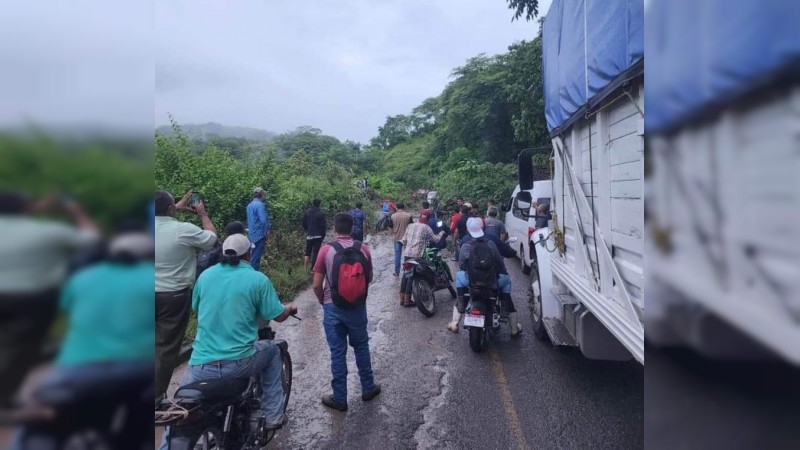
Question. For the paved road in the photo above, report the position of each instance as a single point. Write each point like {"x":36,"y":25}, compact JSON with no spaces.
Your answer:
{"x":695,"y":402}
{"x":438,"y":394}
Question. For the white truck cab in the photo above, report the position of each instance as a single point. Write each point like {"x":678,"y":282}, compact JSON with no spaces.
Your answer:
{"x":523,"y":228}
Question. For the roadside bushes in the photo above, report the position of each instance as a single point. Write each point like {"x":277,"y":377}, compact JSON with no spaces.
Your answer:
{"x":226,"y":185}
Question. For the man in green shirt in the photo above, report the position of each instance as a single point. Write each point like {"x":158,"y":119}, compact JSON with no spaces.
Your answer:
{"x":229,"y":299}
{"x":177,"y":244}
{"x":109,"y":339}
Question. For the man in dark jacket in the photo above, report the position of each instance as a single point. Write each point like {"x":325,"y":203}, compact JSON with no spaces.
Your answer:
{"x":314,"y":226}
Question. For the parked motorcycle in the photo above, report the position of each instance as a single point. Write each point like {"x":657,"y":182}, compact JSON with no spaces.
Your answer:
{"x":216,"y":413}
{"x":426,"y":276}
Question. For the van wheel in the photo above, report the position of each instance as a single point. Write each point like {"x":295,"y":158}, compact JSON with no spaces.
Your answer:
{"x":526,"y":269}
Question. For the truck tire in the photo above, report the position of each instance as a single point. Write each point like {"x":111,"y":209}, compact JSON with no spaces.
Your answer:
{"x":526,"y":269}
{"x":535,"y":305}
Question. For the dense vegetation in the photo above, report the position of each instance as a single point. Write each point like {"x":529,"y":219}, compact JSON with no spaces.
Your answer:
{"x":109,"y":176}
{"x":462,"y":142}
{"x":465,"y":141}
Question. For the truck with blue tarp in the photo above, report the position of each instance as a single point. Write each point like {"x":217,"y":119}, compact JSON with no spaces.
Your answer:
{"x":587,"y":283}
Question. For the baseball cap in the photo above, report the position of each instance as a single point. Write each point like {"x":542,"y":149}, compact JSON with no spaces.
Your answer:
{"x":468,"y":205}
{"x":139,"y":245}
{"x":258,"y":190}
{"x":475,"y":227}
{"x":238,"y":243}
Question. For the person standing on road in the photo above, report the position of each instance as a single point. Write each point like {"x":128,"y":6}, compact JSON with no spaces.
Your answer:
{"x":417,"y":236}
{"x":426,"y":213}
{"x":34,"y":261}
{"x":494,"y":226}
{"x":258,"y":225}
{"x":460,"y":229}
{"x":314,"y":226}
{"x":360,"y":223}
{"x":344,"y":325}
{"x":229,"y":300}
{"x":400,"y":221}
{"x":176,"y":266}
{"x":388,"y":207}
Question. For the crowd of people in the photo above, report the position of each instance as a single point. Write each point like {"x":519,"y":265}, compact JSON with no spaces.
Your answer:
{"x":467,"y":228}
{"x":234,"y":294}
{"x":231,"y":297}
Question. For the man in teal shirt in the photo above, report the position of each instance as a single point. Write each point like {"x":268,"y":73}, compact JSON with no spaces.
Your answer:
{"x":229,"y":298}
{"x":110,"y":336}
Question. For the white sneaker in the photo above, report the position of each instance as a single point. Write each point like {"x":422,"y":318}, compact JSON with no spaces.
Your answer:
{"x":453,"y":326}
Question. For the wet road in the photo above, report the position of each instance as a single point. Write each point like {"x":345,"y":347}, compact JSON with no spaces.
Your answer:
{"x":437,"y":393}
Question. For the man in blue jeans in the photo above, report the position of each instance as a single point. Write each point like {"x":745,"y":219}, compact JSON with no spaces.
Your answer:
{"x":229,"y":298}
{"x":258,"y":225}
{"x":342,"y":325}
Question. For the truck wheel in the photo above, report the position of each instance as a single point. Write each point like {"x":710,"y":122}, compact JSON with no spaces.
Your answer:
{"x":535,"y":304}
{"x":526,"y":269}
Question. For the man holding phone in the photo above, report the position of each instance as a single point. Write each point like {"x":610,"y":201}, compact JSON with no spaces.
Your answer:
{"x":176,"y":249}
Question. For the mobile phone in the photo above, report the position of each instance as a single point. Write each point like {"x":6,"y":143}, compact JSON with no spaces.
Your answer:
{"x":195,"y":198}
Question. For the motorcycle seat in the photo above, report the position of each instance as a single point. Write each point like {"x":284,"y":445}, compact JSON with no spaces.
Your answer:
{"x":216,"y":390}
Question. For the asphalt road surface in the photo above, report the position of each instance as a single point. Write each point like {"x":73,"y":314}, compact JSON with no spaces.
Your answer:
{"x":437,"y":393}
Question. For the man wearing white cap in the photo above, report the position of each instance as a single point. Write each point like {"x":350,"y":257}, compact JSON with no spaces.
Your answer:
{"x":474,"y":227}
{"x":229,"y":298}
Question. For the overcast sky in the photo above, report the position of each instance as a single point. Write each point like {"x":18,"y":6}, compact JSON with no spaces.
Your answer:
{"x":340,"y":66}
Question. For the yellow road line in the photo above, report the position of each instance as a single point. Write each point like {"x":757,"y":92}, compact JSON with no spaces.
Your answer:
{"x":508,"y":404}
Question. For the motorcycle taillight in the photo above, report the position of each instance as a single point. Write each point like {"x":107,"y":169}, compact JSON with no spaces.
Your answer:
{"x":475,"y":312}
{"x":407,"y":266}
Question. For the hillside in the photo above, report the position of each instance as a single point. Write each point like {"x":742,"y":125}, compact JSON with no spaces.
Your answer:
{"x":207,"y":130}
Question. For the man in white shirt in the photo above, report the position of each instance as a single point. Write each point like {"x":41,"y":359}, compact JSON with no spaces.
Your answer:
{"x":34,"y":261}
{"x":176,"y":249}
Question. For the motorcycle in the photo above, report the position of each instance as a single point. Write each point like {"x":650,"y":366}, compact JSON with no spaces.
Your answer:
{"x":96,"y":412}
{"x":484,"y":314}
{"x":216,"y":413}
{"x":426,"y":276}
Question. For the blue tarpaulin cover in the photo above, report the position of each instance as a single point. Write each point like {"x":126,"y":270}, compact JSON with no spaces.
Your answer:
{"x":587,"y":44}
{"x":705,"y":54}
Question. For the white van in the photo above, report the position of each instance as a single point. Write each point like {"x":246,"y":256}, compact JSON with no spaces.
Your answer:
{"x":520,"y":227}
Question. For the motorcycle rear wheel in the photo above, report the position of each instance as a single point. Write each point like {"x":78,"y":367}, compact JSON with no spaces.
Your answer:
{"x":477,"y":339}
{"x":424,"y":297}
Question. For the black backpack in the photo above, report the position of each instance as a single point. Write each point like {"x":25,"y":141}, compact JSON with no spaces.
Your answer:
{"x":208,"y":258}
{"x":480,"y":265}
{"x":351,"y":271}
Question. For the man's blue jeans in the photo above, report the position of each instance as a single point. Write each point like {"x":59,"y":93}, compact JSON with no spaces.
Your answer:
{"x":84,"y":375}
{"x":266,"y":361}
{"x":503,"y":280}
{"x":341,"y":326}
{"x":258,"y":251}
{"x":398,"y":253}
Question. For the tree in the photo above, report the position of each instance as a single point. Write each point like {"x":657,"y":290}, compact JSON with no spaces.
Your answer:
{"x":528,"y":8}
